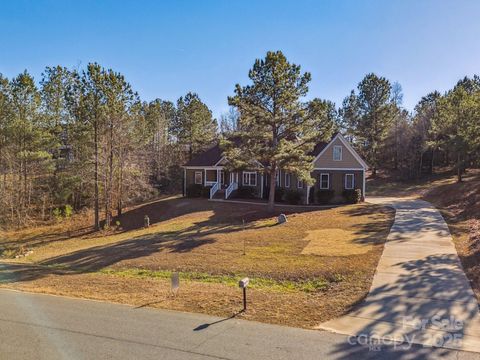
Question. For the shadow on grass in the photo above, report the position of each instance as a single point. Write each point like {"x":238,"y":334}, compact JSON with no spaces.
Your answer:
{"x":49,"y":238}
{"x":226,"y":213}
{"x":376,"y":230}
{"x":11,"y":273}
{"x":223,"y":218}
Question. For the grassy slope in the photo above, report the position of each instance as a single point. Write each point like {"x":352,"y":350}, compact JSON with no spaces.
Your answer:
{"x":205,"y":241}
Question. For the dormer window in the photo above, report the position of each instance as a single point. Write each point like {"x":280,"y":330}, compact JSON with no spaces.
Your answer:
{"x":337,"y":153}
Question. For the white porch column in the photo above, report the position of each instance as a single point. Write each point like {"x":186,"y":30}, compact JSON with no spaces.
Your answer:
{"x":218,"y":176}
{"x":204,"y":177}
{"x":261,"y":186}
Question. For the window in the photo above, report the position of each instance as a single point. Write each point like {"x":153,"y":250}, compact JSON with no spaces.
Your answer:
{"x":337,"y":153}
{"x":277,"y":177}
{"x":250,"y":179}
{"x":198,"y":177}
{"x":349,"y":181}
{"x":299,"y":183}
{"x":324,"y":181}
{"x":287,"y":180}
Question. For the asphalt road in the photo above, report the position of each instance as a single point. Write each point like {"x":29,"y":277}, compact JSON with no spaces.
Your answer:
{"x":35,"y":326}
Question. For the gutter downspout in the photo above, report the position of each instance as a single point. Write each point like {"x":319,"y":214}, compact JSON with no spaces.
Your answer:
{"x":363,"y":190}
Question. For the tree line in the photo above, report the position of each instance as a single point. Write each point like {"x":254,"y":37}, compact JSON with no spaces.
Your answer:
{"x":443,"y":129}
{"x":84,"y":138}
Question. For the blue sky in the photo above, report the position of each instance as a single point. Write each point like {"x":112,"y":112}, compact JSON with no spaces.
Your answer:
{"x":167,"y":48}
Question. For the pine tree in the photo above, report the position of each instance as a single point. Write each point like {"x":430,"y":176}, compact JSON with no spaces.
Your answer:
{"x":30,"y":140}
{"x":369,"y":116}
{"x":277,"y":130}
{"x":194,"y":126}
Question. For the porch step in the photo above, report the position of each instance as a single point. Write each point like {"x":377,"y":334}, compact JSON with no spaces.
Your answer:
{"x":220,"y":194}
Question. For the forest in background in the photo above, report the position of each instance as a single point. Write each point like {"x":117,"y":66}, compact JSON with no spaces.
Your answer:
{"x":83,"y":139}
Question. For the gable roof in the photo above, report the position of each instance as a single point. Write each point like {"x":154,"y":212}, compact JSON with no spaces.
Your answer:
{"x":320,"y":146}
{"x":209,"y":157}
{"x":213,"y":155}
{"x":347,"y":145}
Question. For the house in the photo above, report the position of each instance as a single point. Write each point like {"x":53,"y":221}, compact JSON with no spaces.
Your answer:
{"x":337,"y":167}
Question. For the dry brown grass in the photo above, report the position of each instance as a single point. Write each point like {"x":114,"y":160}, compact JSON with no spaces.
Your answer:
{"x":335,"y":242}
{"x":299,"y":309}
{"x":208,"y":238}
{"x":385,"y":184}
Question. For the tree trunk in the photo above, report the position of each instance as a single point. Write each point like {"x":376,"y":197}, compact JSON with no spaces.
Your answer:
{"x":271,"y":195}
{"x":120,"y":187}
{"x":432,"y":163}
{"x":421,"y":165}
{"x":374,"y":160}
{"x":459,"y":168}
{"x":97,"y":215}
{"x":395,"y":155}
{"x":109,"y":187}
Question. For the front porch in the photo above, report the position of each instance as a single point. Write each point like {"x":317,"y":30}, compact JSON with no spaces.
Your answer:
{"x":220,"y":181}
{"x":212,"y":176}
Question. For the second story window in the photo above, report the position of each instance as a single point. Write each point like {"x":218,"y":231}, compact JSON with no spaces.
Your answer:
{"x":337,"y":153}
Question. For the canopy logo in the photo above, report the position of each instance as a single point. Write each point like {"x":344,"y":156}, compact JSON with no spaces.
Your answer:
{"x":435,"y":331}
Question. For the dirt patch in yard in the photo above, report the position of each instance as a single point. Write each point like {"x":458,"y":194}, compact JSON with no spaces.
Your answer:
{"x":335,"y":242}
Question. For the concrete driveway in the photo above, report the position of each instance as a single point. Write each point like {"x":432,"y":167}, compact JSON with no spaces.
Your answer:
{"x":419,"y":293}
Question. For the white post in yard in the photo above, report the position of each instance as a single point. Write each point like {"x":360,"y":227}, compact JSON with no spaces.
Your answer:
{"x":308,"y":194}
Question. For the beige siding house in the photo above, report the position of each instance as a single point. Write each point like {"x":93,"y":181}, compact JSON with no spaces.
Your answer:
{"x":337,"y":167}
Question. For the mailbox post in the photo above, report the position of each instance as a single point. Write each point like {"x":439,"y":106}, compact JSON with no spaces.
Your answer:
{"x":243,"y":285}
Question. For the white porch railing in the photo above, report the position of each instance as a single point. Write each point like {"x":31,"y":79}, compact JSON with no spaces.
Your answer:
{"x":233,"y":186}
{"x":214,"y":189}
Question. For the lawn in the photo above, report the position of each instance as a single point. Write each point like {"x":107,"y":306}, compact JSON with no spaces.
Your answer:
{"x":314,"y":267}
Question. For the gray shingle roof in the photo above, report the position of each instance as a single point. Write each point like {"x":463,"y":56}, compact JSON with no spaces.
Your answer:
{"x":213,"y":155}
{"x":207,"y":158}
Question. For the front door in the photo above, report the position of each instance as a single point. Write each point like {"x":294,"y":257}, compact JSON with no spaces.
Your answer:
{"x":234,"y":177}
{"x":222,"y":177}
